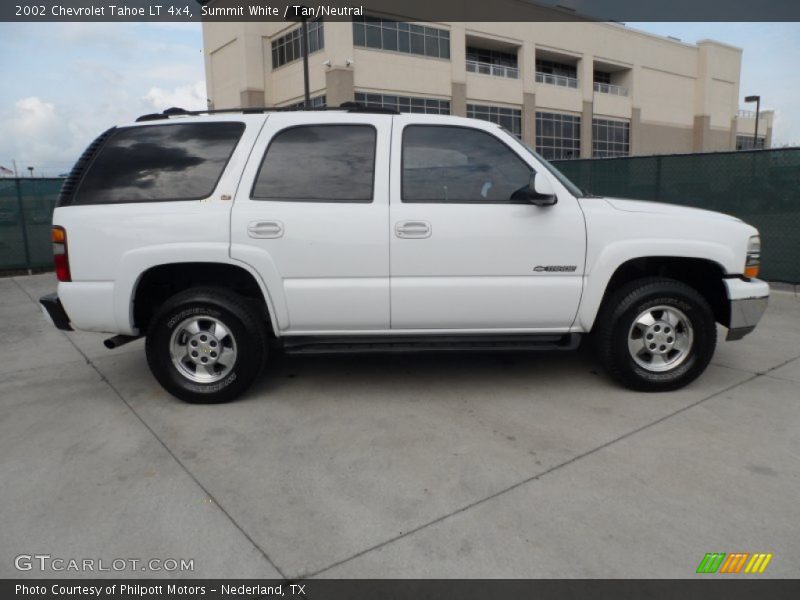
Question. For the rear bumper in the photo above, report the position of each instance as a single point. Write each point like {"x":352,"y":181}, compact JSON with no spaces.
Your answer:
{"x":748,"y":300}
{"x":52,"y":307}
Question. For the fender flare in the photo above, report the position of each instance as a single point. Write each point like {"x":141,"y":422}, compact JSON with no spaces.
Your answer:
{"x":613,"y":256}
{"x":136,"y":263}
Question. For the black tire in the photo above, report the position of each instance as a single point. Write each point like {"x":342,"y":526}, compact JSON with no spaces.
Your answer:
{"x":246,"y":338}
{"x":615,"y":325}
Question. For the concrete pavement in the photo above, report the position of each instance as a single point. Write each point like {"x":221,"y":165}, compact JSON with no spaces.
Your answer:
{"x":528,"y":465}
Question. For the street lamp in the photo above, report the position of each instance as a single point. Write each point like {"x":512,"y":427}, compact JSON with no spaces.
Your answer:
{"x":757,"y":100}
{"x":302,"y":10}
{"x":31,"y":170}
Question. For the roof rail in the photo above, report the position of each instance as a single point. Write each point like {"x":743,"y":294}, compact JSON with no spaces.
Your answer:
{"x":351,"y":107}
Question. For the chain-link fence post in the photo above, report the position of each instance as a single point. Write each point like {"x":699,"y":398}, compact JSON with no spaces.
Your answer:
{"x":21,"y":206}
{"x":658,"y":178}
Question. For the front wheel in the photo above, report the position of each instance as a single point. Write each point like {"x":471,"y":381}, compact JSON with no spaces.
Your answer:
{"x":655,"y":334}
{"x":206,"y":345}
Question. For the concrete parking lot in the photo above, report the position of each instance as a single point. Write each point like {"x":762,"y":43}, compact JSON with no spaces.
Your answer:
{"x":527,"y":465}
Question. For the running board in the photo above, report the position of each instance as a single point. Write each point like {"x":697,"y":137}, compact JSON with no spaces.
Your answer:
{"x":388,"y":344}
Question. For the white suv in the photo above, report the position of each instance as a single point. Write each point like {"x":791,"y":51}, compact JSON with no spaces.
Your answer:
{"x":223,"y":235}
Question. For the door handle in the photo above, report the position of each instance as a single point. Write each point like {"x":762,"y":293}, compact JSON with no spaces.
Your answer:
{"x":413,"y":229}
{"x":265,"y":229}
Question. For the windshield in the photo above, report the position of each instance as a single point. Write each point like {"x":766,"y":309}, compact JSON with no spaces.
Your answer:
{"x":573,"y":189}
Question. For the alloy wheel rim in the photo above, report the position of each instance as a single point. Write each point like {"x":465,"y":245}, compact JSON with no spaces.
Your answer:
{"x":660,"y":338}
{"x":203,"y":349}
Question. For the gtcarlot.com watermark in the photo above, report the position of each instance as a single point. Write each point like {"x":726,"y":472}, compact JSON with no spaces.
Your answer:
{"x":49,"y":563}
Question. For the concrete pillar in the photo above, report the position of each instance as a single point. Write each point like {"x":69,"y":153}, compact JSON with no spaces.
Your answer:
{"x":586,"y":129}
{"x":253,"y":68}
{"x":526,"y":58}
{"x":636,"y":131}
{"x":586,"y":77}
{"x":458,"y":102}
{"x":340,"y":87}
{"x":251,"y":98}
{"x":732,"y":136}
{"x":458,"y":53}
{"x":586,"y":84}
{"x":529,"y":119}
{"x":701,"y":133}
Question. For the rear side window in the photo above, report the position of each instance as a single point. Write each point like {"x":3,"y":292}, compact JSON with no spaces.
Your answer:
{"x":318,"y":163}
{"x":159,"y":162}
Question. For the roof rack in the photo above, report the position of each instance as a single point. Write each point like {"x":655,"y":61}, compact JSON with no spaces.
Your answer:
{"x":351,"y":107}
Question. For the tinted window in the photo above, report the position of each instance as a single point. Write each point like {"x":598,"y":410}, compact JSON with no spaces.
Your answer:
{"x":160,"y":162}
{"x":321,"y":163}
{"x":458,"y":164}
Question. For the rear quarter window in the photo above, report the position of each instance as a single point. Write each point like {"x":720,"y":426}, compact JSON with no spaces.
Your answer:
{"x":182,"y":161}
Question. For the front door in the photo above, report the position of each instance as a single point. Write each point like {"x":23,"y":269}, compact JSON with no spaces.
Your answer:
{"x":468,"y":250}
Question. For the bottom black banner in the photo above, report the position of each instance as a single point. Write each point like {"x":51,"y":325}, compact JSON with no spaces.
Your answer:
{"x":386,"y":589}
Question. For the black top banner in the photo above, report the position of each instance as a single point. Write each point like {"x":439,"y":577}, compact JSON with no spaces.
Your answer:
{"x":416,"y":10}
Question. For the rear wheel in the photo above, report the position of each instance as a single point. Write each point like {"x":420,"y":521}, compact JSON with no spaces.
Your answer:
{"x":206,"y":345}
{"x":655,"y":334}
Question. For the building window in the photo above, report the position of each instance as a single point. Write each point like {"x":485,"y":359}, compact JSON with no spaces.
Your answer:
{"x":492,"y":62}
{"x":551,"y":67}
{"x":610,"y":138}
{"x":558,"y":136}
{"x":603,"y":85}
{"x":316,"y":102}
{"x":287,"y":48}
{"x":602,"y":77}
{"x":510,"y":118}
{"x":556,"y":73}
{"x":385,"y":34}
{"x":745,"y":142}
{"x":340,"y":157}
{"x":407,"y":104}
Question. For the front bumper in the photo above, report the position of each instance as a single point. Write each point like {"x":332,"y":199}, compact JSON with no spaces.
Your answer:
{"x":748,"y":299}
{"x":55,"y":312}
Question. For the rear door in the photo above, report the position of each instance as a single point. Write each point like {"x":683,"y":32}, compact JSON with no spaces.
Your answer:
{"x":311,"y":216}
{"x":468,"y":250}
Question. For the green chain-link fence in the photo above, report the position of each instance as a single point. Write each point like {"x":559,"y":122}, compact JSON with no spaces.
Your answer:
{"x":760,"y":187}
{"x":26,"y":212}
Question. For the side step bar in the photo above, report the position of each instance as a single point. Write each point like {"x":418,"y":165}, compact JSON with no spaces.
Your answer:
{"x":309,"y":345}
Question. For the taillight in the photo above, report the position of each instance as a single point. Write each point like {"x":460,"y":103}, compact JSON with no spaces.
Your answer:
{"x":60,"y":256}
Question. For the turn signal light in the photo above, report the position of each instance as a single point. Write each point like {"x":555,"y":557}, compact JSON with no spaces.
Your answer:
{"x":753,"y":260}
{"x":60,"y":256}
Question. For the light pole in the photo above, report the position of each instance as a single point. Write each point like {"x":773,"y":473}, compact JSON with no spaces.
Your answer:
{"x":304,"y":46}
{"x":757,"y":100}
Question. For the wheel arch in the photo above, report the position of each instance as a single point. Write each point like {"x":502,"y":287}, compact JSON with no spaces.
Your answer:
{"x":160,"y":281}
{"x":703,"y":274}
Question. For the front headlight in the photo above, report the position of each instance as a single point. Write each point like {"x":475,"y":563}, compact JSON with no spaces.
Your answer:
{"x":753,"y":262}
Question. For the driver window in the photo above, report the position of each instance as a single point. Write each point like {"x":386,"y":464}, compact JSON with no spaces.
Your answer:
{"x":459,"y":164}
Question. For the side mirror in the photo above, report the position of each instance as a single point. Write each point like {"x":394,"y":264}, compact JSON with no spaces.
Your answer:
{"x":540,"y":191}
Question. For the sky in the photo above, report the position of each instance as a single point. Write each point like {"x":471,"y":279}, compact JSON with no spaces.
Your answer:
{"x":64,"y":83}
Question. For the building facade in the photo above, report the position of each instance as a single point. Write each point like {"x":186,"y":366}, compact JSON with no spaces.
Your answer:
{"x":572,"y":90}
